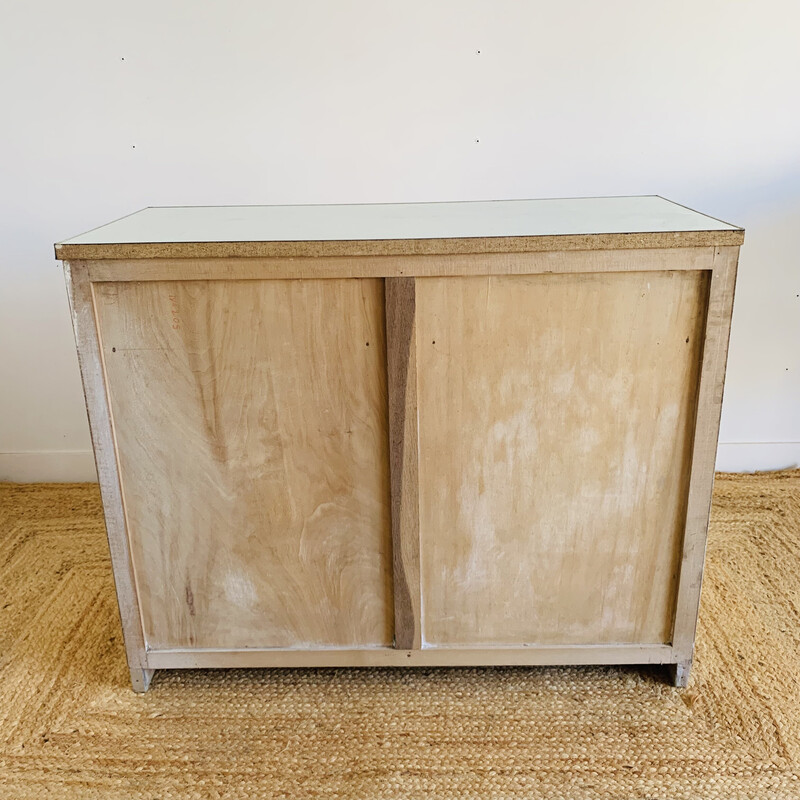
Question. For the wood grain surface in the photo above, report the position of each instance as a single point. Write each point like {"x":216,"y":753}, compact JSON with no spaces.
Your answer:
{"x":398,"y":266}
{"x":704,"y":449}
{"x":426,"y":657}
{"x":402,"y":384}
{"x":555,"y":423}
{"x":81,"y":301}
{"x":250,"y":420}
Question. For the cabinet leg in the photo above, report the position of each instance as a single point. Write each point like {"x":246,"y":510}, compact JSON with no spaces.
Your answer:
{"x":679,"y":673}
{"x":140,"y":679}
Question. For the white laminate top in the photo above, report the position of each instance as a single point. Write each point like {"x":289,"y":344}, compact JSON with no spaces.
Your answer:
{"x":397,"y":221}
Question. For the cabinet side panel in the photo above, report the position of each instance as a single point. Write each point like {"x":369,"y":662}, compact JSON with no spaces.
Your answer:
{"x":250,"y":418}
{"x":82,"y":306}
{"x":555,"y":426}
{"x":704,"y":449}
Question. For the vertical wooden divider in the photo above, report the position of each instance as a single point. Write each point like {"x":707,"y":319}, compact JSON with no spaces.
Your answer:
{"x":401,"y":358}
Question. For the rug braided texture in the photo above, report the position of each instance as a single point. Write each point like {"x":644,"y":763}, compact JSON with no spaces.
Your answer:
{"x":70,"y":727}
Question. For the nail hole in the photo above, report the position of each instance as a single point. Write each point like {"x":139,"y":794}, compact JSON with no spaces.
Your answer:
{"x":113,"y":349}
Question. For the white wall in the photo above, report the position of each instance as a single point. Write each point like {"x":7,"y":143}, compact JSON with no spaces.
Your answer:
{"x":111,"y":106}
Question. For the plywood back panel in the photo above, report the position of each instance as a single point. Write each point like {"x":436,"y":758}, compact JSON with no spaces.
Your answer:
{"x":250,"y":419}
{"x":555,"y":429}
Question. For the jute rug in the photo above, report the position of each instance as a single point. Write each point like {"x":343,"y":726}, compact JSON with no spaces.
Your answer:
{"x":71,"y":728}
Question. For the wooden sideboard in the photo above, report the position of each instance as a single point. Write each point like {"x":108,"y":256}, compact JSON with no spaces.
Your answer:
{"x":413,"y":434}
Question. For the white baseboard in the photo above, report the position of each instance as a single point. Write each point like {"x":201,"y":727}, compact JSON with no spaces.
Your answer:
{"x":54,"y":466}
{"x":757,"y":456}
{"x":74,"y":466}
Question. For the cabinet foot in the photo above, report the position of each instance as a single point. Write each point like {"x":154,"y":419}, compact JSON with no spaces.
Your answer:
{"x":140,"y":679}
{"x":679,"y":673}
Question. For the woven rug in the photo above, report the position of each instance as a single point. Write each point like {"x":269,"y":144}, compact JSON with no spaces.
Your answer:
{"x":70,"y":727}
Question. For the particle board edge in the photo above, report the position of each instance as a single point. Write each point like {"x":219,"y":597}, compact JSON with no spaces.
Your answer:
{"x":325,"y":249}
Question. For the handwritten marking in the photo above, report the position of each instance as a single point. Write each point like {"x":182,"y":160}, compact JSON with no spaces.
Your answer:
{"x":173,"y":307}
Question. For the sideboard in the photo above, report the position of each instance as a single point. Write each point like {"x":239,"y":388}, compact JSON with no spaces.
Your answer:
{"x":434,"y":434}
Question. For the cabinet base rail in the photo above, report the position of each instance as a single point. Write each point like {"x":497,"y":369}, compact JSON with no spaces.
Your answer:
{"x":539,"y":655}
{"x":678,"y":663}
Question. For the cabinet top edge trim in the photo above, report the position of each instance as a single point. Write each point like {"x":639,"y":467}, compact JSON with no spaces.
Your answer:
{"x":399,"y":247}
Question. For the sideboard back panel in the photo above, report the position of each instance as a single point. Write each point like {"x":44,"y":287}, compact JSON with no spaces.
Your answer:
{"x":556,"y":418}
{"x":251,"y":425}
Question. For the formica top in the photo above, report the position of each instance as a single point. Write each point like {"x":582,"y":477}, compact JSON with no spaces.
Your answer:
{"x":594,"y":223}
